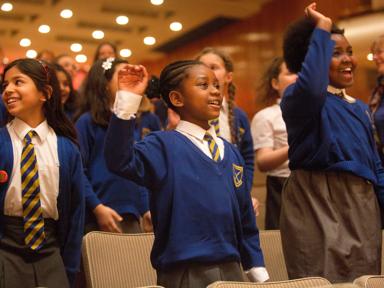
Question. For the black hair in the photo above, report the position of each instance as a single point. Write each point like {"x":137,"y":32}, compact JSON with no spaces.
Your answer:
{"x":71,"y":104}
{"x":96,"y":56}
{"x":96,"y":98}
{"x":44,"y":75}
{"x":172,"y":76}
{"x":296,"y":42}
{"x":270,"y":95}
{"x":152,"y":90}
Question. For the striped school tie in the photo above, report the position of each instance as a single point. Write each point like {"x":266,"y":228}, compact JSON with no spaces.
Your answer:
{"x":212,"y":146}
{"x":215,"y":124}
{"x":32,"y":211}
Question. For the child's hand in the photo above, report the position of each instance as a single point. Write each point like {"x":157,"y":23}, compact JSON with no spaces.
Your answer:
{"x":106,"y":218}
{"x":133,"y":78}
{"x":321,"y":21}
{"x":147,"y":222}
{"x":256,"y":205}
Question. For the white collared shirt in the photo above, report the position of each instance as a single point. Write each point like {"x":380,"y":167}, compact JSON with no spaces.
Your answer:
{"x":346,"y":97}
{"x":45,"y":146}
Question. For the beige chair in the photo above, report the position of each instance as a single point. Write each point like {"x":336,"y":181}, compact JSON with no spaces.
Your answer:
{"x":370,"y":281}
{"x":270,"y":241}
{"x":118,"y":260}
{"x":310,"y":282}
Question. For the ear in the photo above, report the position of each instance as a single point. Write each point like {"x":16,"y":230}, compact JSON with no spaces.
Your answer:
{"x":229,"y":77}
{"x":47,"y":94}
{"x":176,"y":98}
{"x":275,"y":84}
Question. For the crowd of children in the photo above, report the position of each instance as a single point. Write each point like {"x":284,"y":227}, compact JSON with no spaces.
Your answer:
{"x":98,"y":158}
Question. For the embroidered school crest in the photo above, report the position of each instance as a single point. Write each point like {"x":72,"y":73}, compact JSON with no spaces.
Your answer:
{"x":237,"y":175}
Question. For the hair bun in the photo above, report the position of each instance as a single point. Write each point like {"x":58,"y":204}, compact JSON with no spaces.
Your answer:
{"x":153,"y":88}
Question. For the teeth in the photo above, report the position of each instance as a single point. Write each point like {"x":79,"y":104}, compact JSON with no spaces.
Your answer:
{"x":12,"y":100}
{"x":347,"y":70}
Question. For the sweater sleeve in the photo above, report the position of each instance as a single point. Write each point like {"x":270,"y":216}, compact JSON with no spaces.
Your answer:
{"x":86,"y":140}
{"x":306,"y":97}
{"x":71,"y":251}
{"x":142,"y":162}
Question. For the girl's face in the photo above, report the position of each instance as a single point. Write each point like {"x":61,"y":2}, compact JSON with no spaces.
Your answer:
{"x":106,"y":51}
{"x":69,"y":64}
{"x":343,"y":63}
{"x":112,"y":85}
{"x":64,"y":86}
{"x":217,"y":65}
{"x":284,"y":79}
{"x":378,"y":56}
{"x":199,"y":99}
{"x":21,"y":97}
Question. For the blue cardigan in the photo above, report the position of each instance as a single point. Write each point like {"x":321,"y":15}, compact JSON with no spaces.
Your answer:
{"x":201,"y":209}
{"x":326,"y":132}
{"x":70,"y":201}
{"x":117,"y":192}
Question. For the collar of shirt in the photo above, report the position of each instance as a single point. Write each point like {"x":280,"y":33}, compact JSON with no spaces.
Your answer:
{"x":224,"y":106}
{"x":194,"y":130}
{"x":21,"y":129}
{"x":337,"y":91}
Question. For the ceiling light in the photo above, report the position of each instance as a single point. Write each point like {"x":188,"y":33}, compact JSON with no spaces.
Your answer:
{"x":6,"y":7}
{"x":370,"y":57}
{"x":125,"y":53}
{"x":66,"y":13}
{"x":157,"y":2}
{"x":76,"y":47}
{"x":44,"y":29}
{"x":25,"y":42}
{"x":98,"y":34}
{"x":31,"y":53}
{"x":175,"y":26}
{"x":122,"y":20}
{"x":81,"y":58}
{"x":149,"y":40}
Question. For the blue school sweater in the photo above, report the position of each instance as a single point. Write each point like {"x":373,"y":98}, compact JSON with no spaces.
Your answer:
{"x":325,"y":132}
{"x":2,"y":113}
{"x":245,"y":143}
{"x":116,"y":192}
{"x":201,"y":209}
{"x":70,"y":201}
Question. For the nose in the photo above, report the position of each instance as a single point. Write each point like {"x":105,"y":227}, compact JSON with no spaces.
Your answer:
{"x":8,"y":90}
{"x":215,"y":90}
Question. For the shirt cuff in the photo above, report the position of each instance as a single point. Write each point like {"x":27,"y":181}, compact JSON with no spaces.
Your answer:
{"x":257,"y":274}
{"x":126,"y":104}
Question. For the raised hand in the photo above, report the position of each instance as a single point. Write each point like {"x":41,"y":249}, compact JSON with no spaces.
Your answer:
{"x":321,"y":21}
{"x":132,"y":78}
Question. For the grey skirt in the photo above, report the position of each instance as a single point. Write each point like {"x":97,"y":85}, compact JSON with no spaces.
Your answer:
{"x":330,"y":226}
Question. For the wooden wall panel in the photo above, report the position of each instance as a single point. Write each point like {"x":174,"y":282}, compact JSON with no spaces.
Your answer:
{"x":255,"y":41}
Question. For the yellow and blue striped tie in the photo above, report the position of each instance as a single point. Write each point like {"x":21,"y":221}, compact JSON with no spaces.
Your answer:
{"x":212,"y":146}
{"x":32,"y":212}
{"x":215,"y":124}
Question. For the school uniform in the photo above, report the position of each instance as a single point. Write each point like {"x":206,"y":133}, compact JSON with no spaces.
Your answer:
{"x":243,"y":131}
{"x":124,"y":196}
{"x":330,"y":223}
{"x":378,"y":115}
{"x":201,"y":209}
{"x":269,"y":131}
{"x":62,"y":201}
{"x":3,"y":113}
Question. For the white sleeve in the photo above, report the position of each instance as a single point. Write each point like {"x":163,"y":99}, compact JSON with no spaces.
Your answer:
{"x":262,"y":132}
{"x":126,"y":104}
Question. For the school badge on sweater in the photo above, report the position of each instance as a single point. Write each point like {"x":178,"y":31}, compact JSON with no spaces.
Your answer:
{"x":237,"y":175}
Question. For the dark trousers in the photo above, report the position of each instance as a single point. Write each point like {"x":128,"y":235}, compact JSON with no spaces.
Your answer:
{"x":273,"y":203}
{"x":21,"y":267}
{"x":199,"y":275}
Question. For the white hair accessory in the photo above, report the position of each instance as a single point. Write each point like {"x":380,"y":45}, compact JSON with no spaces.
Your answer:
{"x":107,"y":64}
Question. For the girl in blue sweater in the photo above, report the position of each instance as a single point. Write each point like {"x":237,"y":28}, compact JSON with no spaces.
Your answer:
{"x":201,"y":208}
{"x":115,"y":204}
{"x":42,"y":203}
{"x":330,"y":222}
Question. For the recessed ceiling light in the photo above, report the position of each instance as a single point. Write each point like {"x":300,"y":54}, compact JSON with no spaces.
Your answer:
{"x":149,"y":40}
{"x":98,"y":34}
{"x":125,"y":53}
{"x":44,"y":29}
{"x":122,"y":20}
{"x":31,"y":53}
{"x":66,"y":13}
{"x":25,"y":42}
{"x":175,"y":26}
{"x":76,"y":47}
{"x":6,"y":7}
{"x":370,"y":57}
{"x":157,"y":2}
{"x":81,"y":58}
